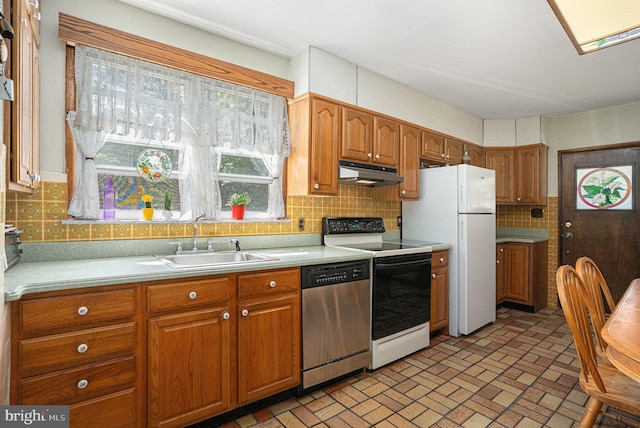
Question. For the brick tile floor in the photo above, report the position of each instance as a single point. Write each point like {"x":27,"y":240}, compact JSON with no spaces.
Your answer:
{"x":521,"y":371}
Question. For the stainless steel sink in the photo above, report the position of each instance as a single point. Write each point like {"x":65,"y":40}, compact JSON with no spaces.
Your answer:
{"x":210,"y":258}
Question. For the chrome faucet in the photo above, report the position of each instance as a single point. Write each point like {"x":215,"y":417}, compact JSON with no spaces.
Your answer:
{"x":195,"y":231}
{"x":237,"y":244}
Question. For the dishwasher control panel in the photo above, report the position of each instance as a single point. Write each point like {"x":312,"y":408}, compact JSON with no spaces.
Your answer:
{"x":334,"y":273}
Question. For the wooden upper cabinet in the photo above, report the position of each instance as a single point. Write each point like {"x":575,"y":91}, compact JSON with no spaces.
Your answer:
{"x":24,"y":156}
{"x":357,"y":135}
{"x":453,"y":150}
{"x":432,"y":146}
{"x":521,"y":173}
{"x":502,"y":161}
{"x":312,"y":166}
{"x":476,"y":153}
{"x":386,"y":141}
{"x":408,"y":168}
{"x":531,"y":167}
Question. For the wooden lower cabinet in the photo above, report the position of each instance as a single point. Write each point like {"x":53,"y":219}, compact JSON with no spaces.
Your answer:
{"x":189,"y":367}
{"x":80,"y":348}
{"x":521,"y":274}
{"x":439,"y":291}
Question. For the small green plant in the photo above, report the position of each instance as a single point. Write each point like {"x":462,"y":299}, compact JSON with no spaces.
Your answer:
{"x":167,"y":201}
{"x":239,"y":199}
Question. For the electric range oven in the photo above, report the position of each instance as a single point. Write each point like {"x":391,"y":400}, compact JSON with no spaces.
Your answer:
{"x":400,"y":289}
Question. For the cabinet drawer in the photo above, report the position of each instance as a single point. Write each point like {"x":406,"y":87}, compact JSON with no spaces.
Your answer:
{"x":78,"y":310}
{"x":73,"y":349}
{"x":272,"y":282}
{"x":83,"y":383}
{"x":439,"y":258}
{"x":109,"y":411}
{"x":188,"y":294}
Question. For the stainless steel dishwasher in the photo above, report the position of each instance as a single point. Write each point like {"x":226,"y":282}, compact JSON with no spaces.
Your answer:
{"x":336,"y":320}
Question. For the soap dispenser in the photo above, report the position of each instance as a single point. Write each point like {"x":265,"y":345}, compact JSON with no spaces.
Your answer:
{"x":109,"y":201}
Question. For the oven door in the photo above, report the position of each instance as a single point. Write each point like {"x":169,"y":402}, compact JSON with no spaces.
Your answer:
{"x":401,"y":296}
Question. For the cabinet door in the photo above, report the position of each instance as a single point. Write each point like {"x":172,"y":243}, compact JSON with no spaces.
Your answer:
{"x":453,"y":150}
{"x":25,"y":114}
{"x":113,"y":410}
{"x":502,"y":161}
{"x":409,"y":166}
{"x":500,"y":273}
{"x":528,"y":182}
{"x":476,"y":153}
{"x":268,"y":347}
{"x":357,"y":135}
{"x":325,"y":143}
{"x":386,"y":141}
{"x":189,"y":367}
{"x":432,"y":146}
{"x":439,"y":299}
{"x":518,"y":287}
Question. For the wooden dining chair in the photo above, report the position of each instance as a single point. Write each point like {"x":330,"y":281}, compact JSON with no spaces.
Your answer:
{"x":597,"y":288}
{"x":602,"y":382}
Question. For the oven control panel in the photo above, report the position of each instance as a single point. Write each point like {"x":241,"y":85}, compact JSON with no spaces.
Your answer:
{"x":335,"y":225}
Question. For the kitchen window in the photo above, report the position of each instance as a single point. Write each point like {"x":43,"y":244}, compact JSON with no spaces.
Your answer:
{"x":221,"y":138}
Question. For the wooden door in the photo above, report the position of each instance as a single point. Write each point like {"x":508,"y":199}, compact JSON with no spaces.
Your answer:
{"x":502,"y":161}
{"x":386,"y":141}
{"x":610,"y":237}
{"x":268,"y":347}
{"x":453,"y":151}
{"x":325,"y":140}
{"x":501,"y":274}
{"x":476,"y":153}
{"x":357,"y":135}
{"x":439,"y":291}
{"x":517,"y":285}
{"x":189,"y":367}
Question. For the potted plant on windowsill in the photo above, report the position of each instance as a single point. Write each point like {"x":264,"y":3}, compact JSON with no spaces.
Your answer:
{"x":147,"y":211}
{"x":166,"y":212}
{"x":238,"y":203}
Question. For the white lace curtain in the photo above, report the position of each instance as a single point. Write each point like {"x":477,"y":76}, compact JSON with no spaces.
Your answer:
{"x":125,"y":96}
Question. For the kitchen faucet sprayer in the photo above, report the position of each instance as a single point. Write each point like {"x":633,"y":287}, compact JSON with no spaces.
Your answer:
{"x":195,"y":231}
{"x":237,"y":243}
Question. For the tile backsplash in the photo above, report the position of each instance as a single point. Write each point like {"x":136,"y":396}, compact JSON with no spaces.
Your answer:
{"x":40,"y":215}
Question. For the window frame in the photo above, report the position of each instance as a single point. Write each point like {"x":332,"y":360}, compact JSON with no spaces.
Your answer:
{"x":75,"y":30}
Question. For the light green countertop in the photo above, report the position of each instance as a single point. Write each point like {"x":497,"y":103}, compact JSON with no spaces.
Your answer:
{"x":33,"y":277}
{"x":527,"y":236}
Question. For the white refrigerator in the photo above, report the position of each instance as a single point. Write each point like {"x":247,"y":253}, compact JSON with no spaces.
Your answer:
{"x":457,"y":207}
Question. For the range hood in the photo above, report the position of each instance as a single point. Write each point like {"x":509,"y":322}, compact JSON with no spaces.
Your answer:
{"x":360,"y":174}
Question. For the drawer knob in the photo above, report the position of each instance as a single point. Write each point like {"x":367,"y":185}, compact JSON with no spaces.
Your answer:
{"x":83,"y":384}
{"x":226,"y":316}
{"x":272,"y":284}
{"x":83,"y":310}
{"x":316,"y":186}
{"x":245,"y":312}
{"x":193,"y":295}
{"x":82,"y":348}
{"x":433,"y":275}
{"x":441,"y":259}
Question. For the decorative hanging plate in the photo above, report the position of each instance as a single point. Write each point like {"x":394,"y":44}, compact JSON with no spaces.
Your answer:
{"x":154,"y":165}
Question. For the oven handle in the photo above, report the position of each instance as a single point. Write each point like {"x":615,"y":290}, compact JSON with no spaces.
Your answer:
{"x":413,"y":262}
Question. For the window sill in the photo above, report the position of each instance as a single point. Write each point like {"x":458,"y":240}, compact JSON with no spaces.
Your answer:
{"x":130,"y":221}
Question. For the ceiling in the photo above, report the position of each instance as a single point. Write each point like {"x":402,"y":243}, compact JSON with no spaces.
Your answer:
{"x":496,"y":59}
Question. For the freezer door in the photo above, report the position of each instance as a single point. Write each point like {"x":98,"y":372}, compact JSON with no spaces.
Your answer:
{"x":476,"y":190}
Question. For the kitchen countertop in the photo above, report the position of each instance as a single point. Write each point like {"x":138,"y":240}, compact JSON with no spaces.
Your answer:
{"x":527,"y":236}
{"x":25,"y":278}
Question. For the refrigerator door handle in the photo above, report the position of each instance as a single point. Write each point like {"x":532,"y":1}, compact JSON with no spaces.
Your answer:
{"x":461,"y":234}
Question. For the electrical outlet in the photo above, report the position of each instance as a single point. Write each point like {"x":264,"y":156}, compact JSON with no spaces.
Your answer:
{"x":301,"y":224}
{"x":399,"y":221}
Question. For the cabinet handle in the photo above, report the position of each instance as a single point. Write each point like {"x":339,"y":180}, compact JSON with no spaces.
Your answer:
{"x":378,"y":156}
{"x":448,"y":156}
{"x":193,"y":295}
{"x":226,"y":316}
{"x":497,"y":262}
{"x":502,"y":250}
{"x":272,"y":284}
{"x":83,"y":384}
{"x":82,"y":348}
{"x":316,"y":186}
{"x":441,"y":259}
{"x":245,"y":312}
{"x":404,"y":192}
{"x":369,"y":155}
{"x":518,"y":199}
{"x":83,"y":310}
{"x":433,"y":275}
{"x":442,"y":155}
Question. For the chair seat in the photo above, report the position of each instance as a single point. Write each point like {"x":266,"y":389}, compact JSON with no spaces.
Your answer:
{"x":622,"y":391}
